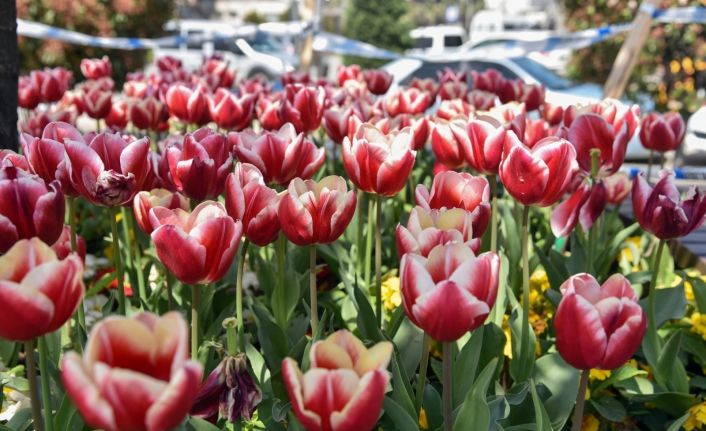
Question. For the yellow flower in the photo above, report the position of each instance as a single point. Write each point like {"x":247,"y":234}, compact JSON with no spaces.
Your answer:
{"x":590,"y":423}
{"x":697,"y":417}
{"x":698,"y":324}
{"x":700,"y":65}
{"x":674,"y":66}
{"x":507,"y":351}
{"x":597,"y":374}
{"x":423,"y":424}
{"x":391,"y":298}
{"x":627,"y":255}
{"x":688,"y":65}
{"x":539,"y":281}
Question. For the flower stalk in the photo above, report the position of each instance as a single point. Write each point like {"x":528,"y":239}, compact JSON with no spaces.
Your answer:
{"x":117,"y":260}
{"x":577,"y":419}
{"x":33,"y":389}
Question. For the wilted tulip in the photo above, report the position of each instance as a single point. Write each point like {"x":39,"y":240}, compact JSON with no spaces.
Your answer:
{"x":109,"y":171}
{"x":428,"y":228}
{"x":450,"y":143}
{"x":95,"y":100}
{"x":280,"y":156}
{"x":145,"y":201}
{"x":662,"y":132}
{"x":62,"y":246}
{"x":188,"y":105}
{"x":27,"y":93}
{"x":618,"y":187}
{"x":134,"y":374}
{"x":118,"y":115}
{"x":486,"y":145}
{"x":199,"y":167}
{"x":251,"y":201}
{"x":589,"y":131}
{"x":229,"y":392}
{"x":303,"y":107}
{"x":584,"y":205}
{"x":540,"y":175}
{"x":28,"y":208}
{"x":231,"y":112}
{"x":598,"y":326}
{"x":450,"y":292}
{"x":661,"y":210}
{"x":379,"y":163}
{"x":198,"y":248}
{"x":38,"y":291}
{"x":452,"y":189}
{"x":342,"y":369}
{"x":378,"y":81}
{"x":96,"y":68}
{"x":407,"y":101}
{"x":316,"y":212}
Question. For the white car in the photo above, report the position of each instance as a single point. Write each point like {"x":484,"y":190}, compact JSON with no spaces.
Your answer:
{"x":437,"y":39}
{"x":694,"y":146}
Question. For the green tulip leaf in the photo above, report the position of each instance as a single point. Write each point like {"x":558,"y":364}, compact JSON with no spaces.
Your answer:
{"x":474,"y":409}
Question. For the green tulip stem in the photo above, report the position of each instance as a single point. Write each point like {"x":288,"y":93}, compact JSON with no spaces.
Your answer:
{"x":493,"y":213}
{"x":98,"y":125}
{"x":33,"y":389}
{"x":80,"y":310}
{"x":369,"y":242}
{"x":117,"y":259}
{"x":170,"y":283}
{"x":592,"y":231}
{"x":195,"y":304}
{"x":577,"y":419}
{"x":240,"y":326}
{"x":423,"y":365}
{"x":134,"y":247}
{"x":360,"y":235}
{"x":46,"y":389}
{"x":279,"y":308}
{"x":313,"y":304}
{"x":378,"y":258}
{"x":651,"y":300}
{"x":447,"y":367}
{"x":525,"y":348}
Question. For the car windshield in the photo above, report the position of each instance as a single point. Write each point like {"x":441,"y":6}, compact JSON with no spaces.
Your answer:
{"x":543,"y":75}
{"x":429,"y":69}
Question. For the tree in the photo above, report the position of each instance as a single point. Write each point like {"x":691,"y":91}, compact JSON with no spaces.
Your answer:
{"x":380,"y":23}
{"x":9,"y":71}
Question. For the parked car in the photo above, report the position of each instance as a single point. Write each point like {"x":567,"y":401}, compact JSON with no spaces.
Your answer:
{"x":436,"y":39}
{"x":694,"y":146}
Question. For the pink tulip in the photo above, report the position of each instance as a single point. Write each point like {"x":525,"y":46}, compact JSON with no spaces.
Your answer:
{"x":538,"y":176}
{"x":198,"y":168}
{"x":427,"y":85}
{"x":295,"y":77}
{"x":149,"y":113}
{"x":37,"y":121}
{"x":379,"y":163}
{"x":280,"y":156}
{"x":598,"y":326}
{"x":28,"y":208}
{"x":428,"y":228}
{"x":231,"y":112}
{"x":269,"y":111}
{"x":451,"y":291}
{"x":450,"y":143}
{"x":661,"y":210}
{"x":591,"y":131}
{"x":493,"y":81}
{"x":316,"y":212}
{"x":109,"y":171}
{"x":218,"y":71}
{"x":52,"y":83}
{"x":188,"y":105}
{"x":168,"y":63}
{"x":662,"y":132}
{"x":408,"y":101}
{"x":249,"y":200}
{"x":553,"y":114}
{"x":27,"y":93}
{"x":118,"y":115}
{"x":303,"y":107}
{"x":584,"y":205}
{"x":346,"y":73}
{"x":481,"y":100}
{"x":453,"y":90}
{"x":342,"y":369}
{"x":336,"y":123}
{"x":96,"y":68}
{"x":486,"y":146}
{"x":378,"y":81}
{"x":532,"y":95}
{"x":618,"y":187}
{"x":38,"y":291}
{"x":17,"y":160}
{"x":95,"y":100}
{"x":134,"y":374}
{"x":145,"y":201}
{"x":452,"y":109}
{"x":62,"y":246}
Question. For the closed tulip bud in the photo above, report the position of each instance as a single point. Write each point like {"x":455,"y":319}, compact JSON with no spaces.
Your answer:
{"x":303,"y":107}
{"x":251,"y":201}
{"x":109,"y":171}
{"x":346,"y":73}
{"x":280,"y":156}
{"x":379,"y":163}
{"x":428,"y":228}
{"x":27,"y":93}
{"x":38,"y":291}
{"x":450,"y":143}
{"x":118,"y":115}
{"x":28,"y":208}
{"x":200,"y":166}
{"x":589,"y":131}
{"x":618,"y":187}
{"x":198,"y":248}
{"x":490,"y":80}
{"x":342,"y":369}
{"x":662,"y":132}
{"x":538,"y":176}
{"x":145,"y":201}
{"x":231,"y":112}
{"x":407,"y":101}
{"x":452,"y":189}
{"x":486,"y":140}
{"x":584,"y":205}
{"x":335,"y":122}
{"x":229,"y":392}
{"x":378,"y":81}
{"x":134,"y":375}
{"x":96,"y":68}
{"x":451,"y":291}
{"x":95,"y":100}
{"x":316,"y":212}
{"x":598,"y":326}
{"x":662,"y":211}
{"x":62,"y":246}
{"x":188,"y":105}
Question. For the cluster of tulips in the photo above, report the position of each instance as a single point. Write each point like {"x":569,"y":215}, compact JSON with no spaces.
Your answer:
{"x":253,"y":167}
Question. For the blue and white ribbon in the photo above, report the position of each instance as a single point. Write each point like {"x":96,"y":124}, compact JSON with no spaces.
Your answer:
{"x":681,"y":15}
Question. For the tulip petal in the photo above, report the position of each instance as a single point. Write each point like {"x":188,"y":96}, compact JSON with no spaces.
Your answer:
{"x":183,"y":255}
{"x":173,"y":404}
{"x":329,"y":355}
{"x":293,"y":381}
{"x":363,"y":408}
{"x":580,"y":337}
{"x":84,"y":393}
{"x":26,"y":313}
{"x":524,"y":176}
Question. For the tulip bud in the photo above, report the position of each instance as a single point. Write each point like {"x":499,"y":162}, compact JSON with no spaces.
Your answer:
{"x":450,"y":143}
{"x":429,"y":228}
{"x":662,"y":132}
{"x":378,"y":81}
{"x":486,"y":145}
{"x":618,"y":187}
{"x":249,"y":200}
{"x":145,"y":201}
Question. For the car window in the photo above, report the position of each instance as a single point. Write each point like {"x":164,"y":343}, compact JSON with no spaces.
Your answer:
{"x":430,"y":69}
{"x":422,"y":42}
{"x":482,"y":66}
{"x":452,"y":41}
{"x":543,"y":75}
{"x":226,"y":44}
